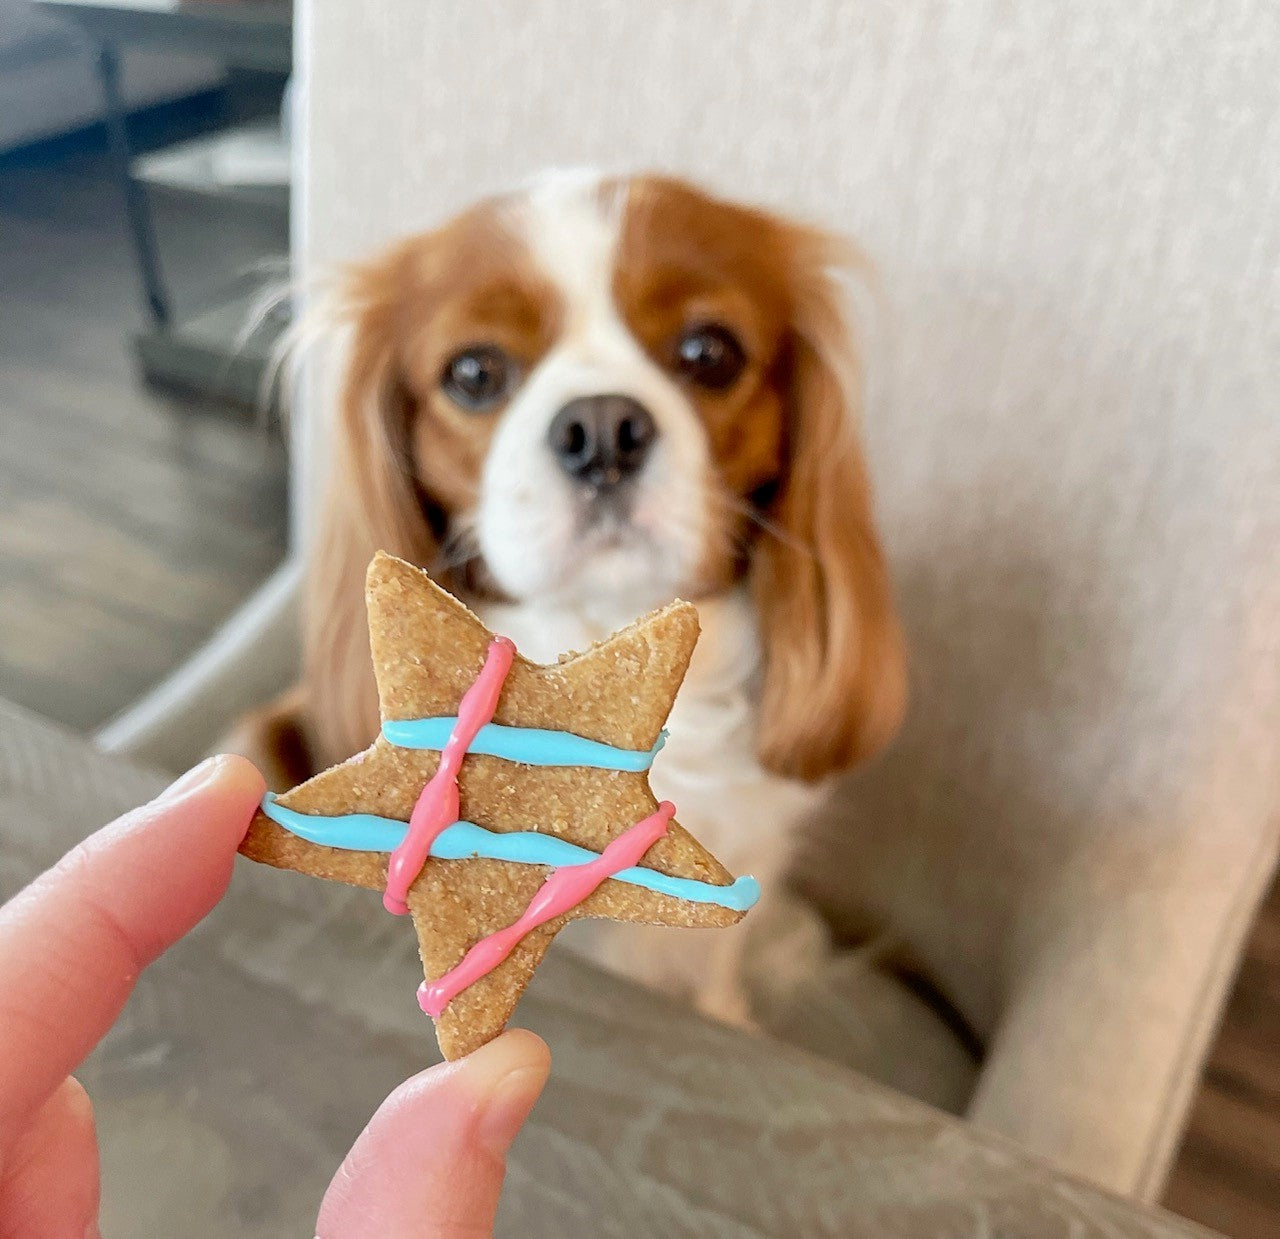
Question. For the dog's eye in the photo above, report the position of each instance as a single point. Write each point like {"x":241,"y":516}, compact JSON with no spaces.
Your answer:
{"x":710,"y":356}
{"x":478,"y":377}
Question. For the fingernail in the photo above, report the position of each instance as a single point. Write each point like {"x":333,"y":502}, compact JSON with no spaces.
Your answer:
{"x":508,"y":1074}
{"x":507,"y":1107}
{"x":197,"y":776}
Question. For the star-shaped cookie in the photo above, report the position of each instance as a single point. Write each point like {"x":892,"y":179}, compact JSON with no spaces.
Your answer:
{"x":556,"y":773}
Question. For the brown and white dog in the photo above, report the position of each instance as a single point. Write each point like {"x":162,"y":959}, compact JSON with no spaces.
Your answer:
{"x":574,"y":403}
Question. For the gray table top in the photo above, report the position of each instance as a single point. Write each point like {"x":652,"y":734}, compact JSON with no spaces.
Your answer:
{"x":252,"y":35}
{"x":253,"y":1053}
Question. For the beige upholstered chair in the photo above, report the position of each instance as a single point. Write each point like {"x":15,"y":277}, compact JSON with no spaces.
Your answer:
{"x":1075,"y":436}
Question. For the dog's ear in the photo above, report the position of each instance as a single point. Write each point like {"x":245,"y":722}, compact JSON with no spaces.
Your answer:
{"x":369,"y":503}
{"x":834,"y":672}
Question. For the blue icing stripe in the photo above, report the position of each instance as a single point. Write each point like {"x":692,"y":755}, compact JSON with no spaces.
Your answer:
{"x":531,"y":745}
{"x":364,"y":832}
{"x":353,"y":832}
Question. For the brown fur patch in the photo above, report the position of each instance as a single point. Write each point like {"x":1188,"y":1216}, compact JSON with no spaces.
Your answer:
{"x":405,"y":457}
{"x":783,"y":437}
{"x":683,"y":260}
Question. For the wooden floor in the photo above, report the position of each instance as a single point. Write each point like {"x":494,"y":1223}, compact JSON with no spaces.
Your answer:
{"x":130,"y":525}
{"x":1228,"y":1172}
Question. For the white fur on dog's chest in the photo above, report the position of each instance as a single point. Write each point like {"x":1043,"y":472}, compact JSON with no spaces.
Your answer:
{"x":745,"y":816}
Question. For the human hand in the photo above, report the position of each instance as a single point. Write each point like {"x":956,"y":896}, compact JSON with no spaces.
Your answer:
{"x":71,"y":948}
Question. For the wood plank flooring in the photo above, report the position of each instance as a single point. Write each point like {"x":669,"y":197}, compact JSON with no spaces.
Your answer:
{"x":1228,"y":1172}
{"x":129,"y":526}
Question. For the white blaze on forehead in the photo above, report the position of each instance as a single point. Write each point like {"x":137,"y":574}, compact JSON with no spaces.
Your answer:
{"x":571,"y":224}
{"x":529,"y":517}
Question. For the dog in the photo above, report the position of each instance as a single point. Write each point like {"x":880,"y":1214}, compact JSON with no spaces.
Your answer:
{"x":573,"y":403}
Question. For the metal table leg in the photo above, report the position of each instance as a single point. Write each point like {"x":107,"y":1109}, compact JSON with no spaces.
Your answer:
{"x":137,"y":204}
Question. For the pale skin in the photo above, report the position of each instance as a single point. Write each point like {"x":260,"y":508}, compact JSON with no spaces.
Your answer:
{"x":72,"y":944}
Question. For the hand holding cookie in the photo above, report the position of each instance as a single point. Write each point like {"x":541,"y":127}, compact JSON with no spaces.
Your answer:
{"x":73,"y":944}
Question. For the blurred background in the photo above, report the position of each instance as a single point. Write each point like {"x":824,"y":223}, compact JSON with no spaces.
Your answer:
{"x":145,"y":186}
{"x":144,"y":214}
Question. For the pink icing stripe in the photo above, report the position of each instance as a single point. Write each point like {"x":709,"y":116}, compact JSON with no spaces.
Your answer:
{"x":564,"y":888}
{"x":437,"y":804}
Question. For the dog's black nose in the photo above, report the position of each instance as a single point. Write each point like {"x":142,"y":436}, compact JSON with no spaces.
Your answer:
{"x":600,"y":440}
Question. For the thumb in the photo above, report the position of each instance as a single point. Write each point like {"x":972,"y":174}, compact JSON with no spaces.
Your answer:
{"x":431,"y":1160}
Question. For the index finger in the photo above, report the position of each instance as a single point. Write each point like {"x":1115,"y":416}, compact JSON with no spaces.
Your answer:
{"x":73,"y":942}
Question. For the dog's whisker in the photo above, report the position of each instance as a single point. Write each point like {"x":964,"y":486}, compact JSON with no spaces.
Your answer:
{"x":459,"y":548}
{"x":740,"y":507}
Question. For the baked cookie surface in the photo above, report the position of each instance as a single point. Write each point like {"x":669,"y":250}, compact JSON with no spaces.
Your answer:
{"x":503,"y":798}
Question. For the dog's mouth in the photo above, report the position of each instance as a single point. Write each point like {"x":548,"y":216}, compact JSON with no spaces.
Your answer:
{"x":606,"y":515}
{"x":609,"y":520}
{"x":579,"y":541}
